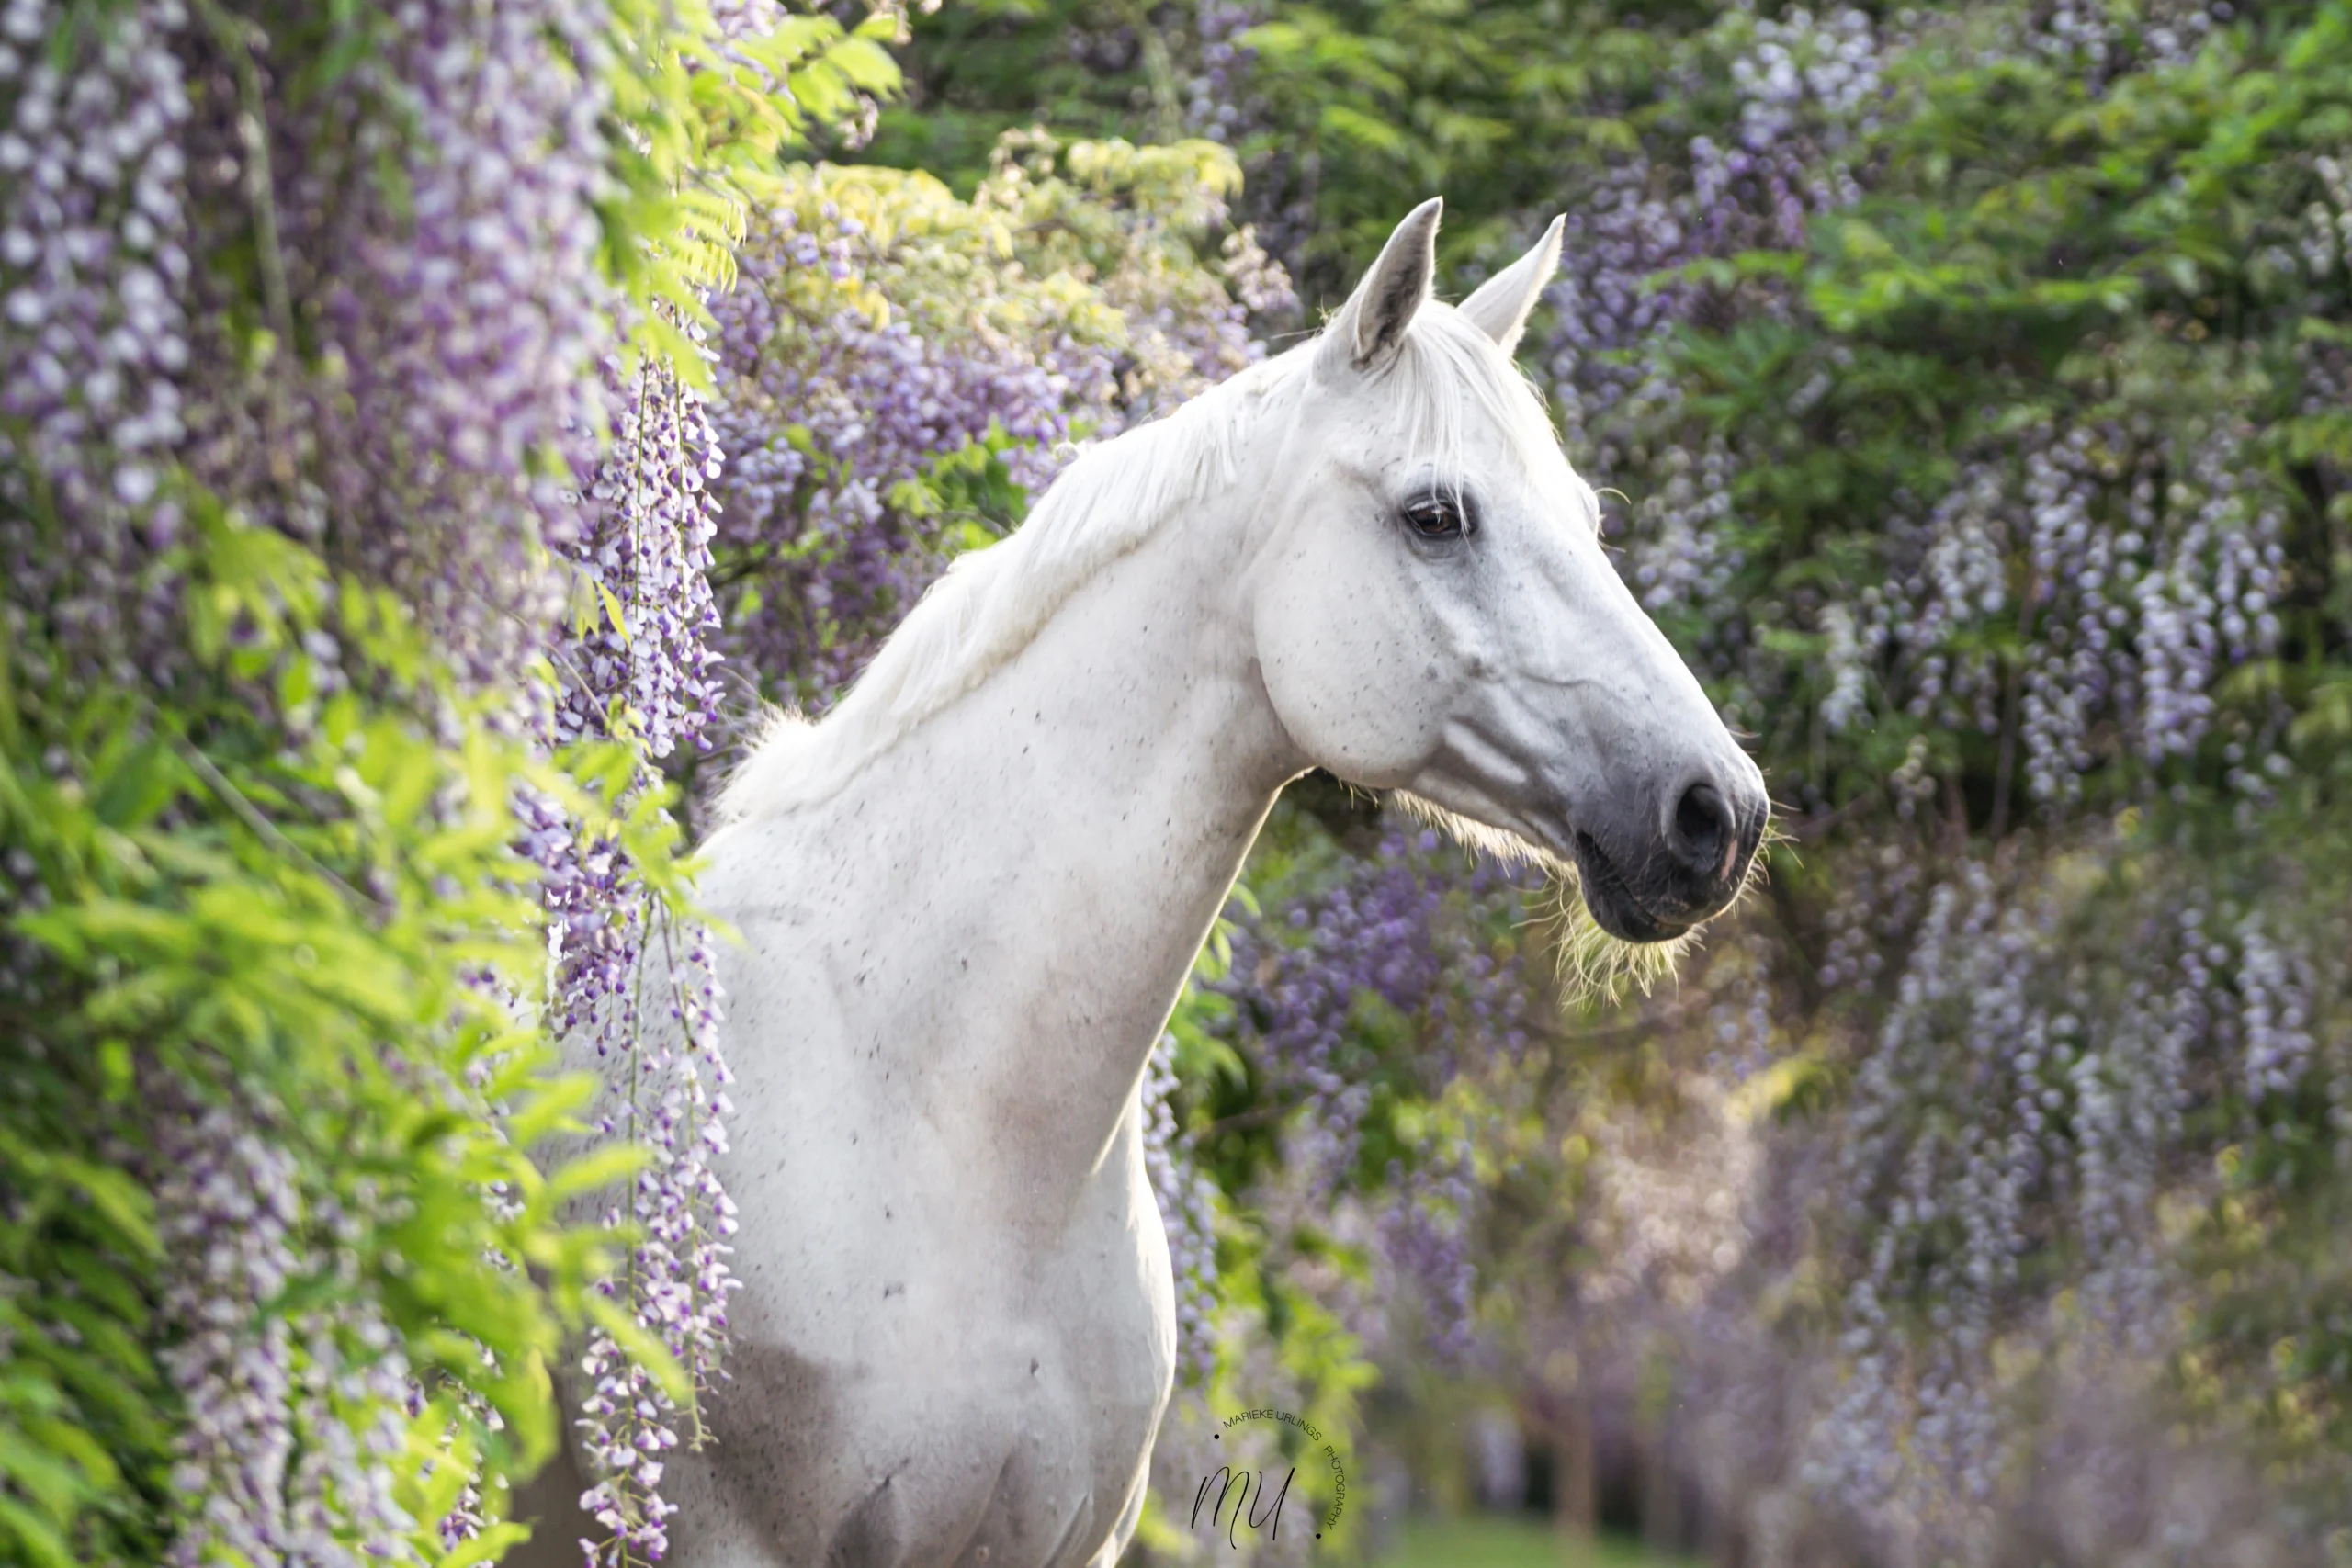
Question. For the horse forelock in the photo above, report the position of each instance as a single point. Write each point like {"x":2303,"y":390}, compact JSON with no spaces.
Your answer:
{"x":1445,"y":355}
{"x":991,"y":602}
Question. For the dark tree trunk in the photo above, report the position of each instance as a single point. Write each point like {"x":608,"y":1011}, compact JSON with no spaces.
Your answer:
{"x":1573,"y":1507}
{"x":1661,"y":1493}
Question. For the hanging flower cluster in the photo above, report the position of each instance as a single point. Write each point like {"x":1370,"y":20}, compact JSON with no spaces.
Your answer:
{"x":1187,"y":1200}
{"x":215,"y":302}
{"x":294,"y":1424}
{"x":1388,"y":973}
{"x":633,"y":977}
{"x":836,"y":425}
{"x":467,"y":313}
{"x":94,"y":272}
{"x":2066,"y":1113}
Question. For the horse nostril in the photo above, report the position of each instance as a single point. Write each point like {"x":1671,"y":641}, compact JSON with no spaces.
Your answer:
{"x":1703,"y":829}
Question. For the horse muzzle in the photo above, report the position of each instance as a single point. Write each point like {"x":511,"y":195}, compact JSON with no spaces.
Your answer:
{"x":1652,"y":879}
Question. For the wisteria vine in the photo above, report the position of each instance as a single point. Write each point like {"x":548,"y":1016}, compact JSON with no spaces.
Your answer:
{"x":325,"y":438}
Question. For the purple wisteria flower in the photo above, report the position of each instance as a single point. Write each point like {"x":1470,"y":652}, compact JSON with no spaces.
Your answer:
{"x":634,"y":976}
{"x":1411,"y":926}
{"x":293,"y":1421}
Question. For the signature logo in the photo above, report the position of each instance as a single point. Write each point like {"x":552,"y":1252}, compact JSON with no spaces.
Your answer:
{"x":1236,"y":1486}
{"x":1234,"y":1501}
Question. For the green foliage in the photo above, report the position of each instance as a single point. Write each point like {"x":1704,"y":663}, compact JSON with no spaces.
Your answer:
{"x":321,"y":920}
{"x":1092,"y":242}
{"x":279,"y":873}
{"x":2135,"y":259}
{"x":2030,"y":254}
{"x":701,"y":120}
{"x":1359,"y":110}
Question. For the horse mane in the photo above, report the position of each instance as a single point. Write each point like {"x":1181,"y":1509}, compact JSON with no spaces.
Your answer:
{"x":992,"y":602}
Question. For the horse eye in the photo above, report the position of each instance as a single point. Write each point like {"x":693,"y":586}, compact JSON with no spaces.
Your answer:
{"x":1434,"y":517}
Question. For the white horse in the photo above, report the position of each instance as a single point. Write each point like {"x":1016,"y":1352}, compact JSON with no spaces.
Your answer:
{"x":970,"y":895}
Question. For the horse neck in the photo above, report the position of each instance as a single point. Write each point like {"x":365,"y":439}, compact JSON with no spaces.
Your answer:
{"x":1074,"y":824}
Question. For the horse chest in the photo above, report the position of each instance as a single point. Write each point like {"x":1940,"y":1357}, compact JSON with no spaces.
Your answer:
{"x":955,"y":1331}
{"x":938,"y":1397}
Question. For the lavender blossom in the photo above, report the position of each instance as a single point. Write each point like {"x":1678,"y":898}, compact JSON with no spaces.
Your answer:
{"x":293,"y":1420}
{"x":1187,"y":1200}
{"x":632,"y":976}
{"x":1402,"y":927}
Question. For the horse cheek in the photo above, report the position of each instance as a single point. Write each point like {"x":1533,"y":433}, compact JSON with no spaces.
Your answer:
{"x":1358,"y":692}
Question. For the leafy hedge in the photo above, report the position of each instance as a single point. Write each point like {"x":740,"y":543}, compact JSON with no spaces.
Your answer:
{"x":296,"y":382}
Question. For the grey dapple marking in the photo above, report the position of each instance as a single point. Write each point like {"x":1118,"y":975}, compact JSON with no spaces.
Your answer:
{"x":970,"y":897}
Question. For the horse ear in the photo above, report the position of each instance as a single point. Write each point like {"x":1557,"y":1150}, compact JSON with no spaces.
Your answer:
{"x":1366,"y":333}
{"x":1500,"y":306}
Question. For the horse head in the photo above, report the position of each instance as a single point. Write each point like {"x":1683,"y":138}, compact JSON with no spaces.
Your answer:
{"x":1434,"y":612}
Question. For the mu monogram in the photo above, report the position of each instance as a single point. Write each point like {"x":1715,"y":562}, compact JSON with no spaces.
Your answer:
{"x":1264,"y":1513}
{"x":1235,"y":1500}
